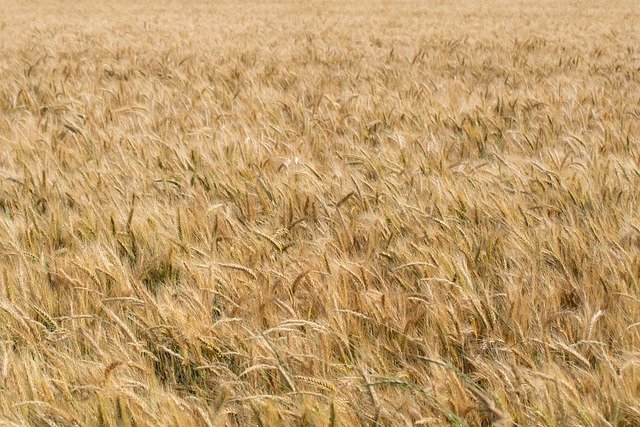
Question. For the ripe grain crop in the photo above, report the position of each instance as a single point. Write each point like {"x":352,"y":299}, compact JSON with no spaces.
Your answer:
{"x":328,"y":213}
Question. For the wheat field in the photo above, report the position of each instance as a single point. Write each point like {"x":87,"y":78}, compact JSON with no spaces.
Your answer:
{"x":320,"y":213}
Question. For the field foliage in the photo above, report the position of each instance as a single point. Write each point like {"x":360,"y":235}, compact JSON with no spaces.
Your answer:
{"x":324,"y":213}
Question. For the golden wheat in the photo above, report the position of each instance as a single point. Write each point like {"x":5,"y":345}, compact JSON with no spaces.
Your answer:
{"x":320,"y":213}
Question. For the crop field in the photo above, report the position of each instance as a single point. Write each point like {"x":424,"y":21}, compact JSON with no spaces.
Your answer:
{"x":320,"y":213}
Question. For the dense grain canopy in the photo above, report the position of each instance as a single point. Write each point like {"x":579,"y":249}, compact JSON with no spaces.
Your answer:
{"x":320,"y":213}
